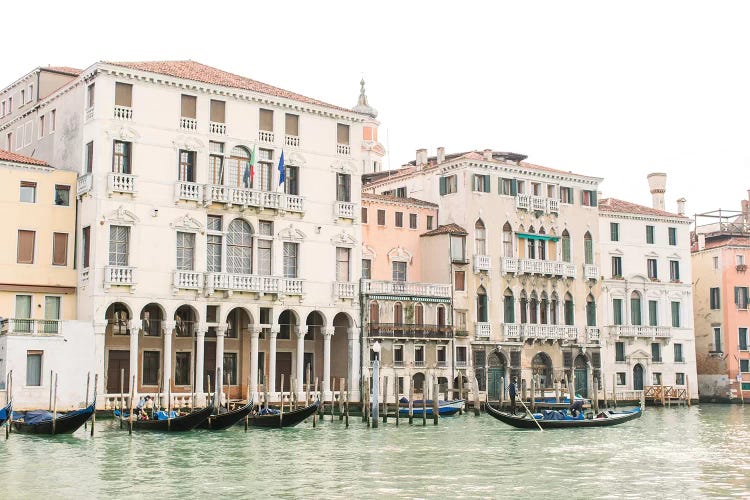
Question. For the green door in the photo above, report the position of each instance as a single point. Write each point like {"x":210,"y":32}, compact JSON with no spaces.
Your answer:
{"x":582,"y":379}
{"x":494,"y":382}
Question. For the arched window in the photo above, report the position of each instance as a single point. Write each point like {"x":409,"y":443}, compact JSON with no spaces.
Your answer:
{"x":541,"y":245}
{"x":418,"y":314}
{"x":635,"y":309}
{"x":569,"y":309}
{"x":239,"y":247}
{"x":531,"y":247}
{"x":588,"y":248}
{"x":554,"y":306}
{"x":239,"y":167}
{"x":398,"y":314}
{"x":482,"y":312}
{"x":524,"y":303}
{"x":480,"y":237}
{"x":544,"y":309}
{"x":533,"y":309}
{"x":374,"y":312}
{"x":507,"y":240}
{"x":590,"y":311}
{"x":566,"y":257}
{"x":508,"y":306}
{"x":441,"y":315}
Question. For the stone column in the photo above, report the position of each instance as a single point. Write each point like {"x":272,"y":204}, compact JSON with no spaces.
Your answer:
{"x":272,"y":359}
{"x":167,"y":363}
{"x":200,"y":338}
{"x":354,"y":356}
{"x":327,"y":334}
{"x":100,"y":354}
{"x":254,"y":334}
{"x":221,"y":332}
{"x":134,"y":356}
{"x":300,"y":333}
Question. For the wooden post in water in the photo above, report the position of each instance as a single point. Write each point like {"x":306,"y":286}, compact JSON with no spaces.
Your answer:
{"x":557,"y":390}
{"x":54,"y":407}
{"x":396,"y":394}
{"x":132,"y":395}
{"x":596,"y":394}
{"x":502,"y":393}
{"x":687,"y":389}
{"x":424,"y":402}
{"x":533,"y":392}
{"x":247,"y":418}
{"x":461,"y":391}
{"x":281,"y":415}
{"x":315,"y":414}
{"x":523,"y":390}
{"x":51,"y":388}
{"x":93,"y":416}
{"x":169,"y":403}
{"x":661,"y":390}
{"x":572,"y":386}
{"x":343,"y":388}
{"x":614,"y":389}
{"x":86,"y":404}
{"x":307,"y":386}
{"x":122,"y":397}
{"x":604,"y":390}
{"x":435,"y":404}
{"x":411,"y":400}
{"x":385,"y":400}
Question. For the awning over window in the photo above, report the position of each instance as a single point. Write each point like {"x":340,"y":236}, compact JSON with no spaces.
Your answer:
{"x":531,"y":236}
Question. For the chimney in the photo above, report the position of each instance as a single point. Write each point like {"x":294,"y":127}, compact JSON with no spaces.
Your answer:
{"x":421,"y":158}
{"x":657,"y":183}
{"x":487,"y":154}
{"x":440,"y":155}
{"x":681,"y":206}
{"x":701,"y":241}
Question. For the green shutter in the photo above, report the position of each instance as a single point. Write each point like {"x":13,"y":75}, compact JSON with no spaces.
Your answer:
{"x":593,"y":198}
{"x":442,"y":186}
{"x":500,"y":185}
{"x":736,"y":295}
{"x":486,"y":187}
{"x":513,"y":187}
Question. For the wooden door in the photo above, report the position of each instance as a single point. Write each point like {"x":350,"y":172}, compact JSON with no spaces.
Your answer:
{"x":209,"y":365}
{"x":116,"y":361}
{"x":283,"y":365}
{"x":582,"y":379}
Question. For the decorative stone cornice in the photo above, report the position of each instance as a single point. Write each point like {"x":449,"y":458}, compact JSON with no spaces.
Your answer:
{"x":399,"y":254}
{"x":121,"y":216}
{"x":188,"y":223}
{"x":188,"y":143}
{"x":291,"y":233}
{"x":343,"y":239}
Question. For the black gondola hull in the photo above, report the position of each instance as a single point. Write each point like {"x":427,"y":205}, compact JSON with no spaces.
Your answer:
{"x":613,"y":418}
{"x":288,"y":419}
{"x":178,"y":424}
{"x":225,"y":420}
{"x":64,"y":424}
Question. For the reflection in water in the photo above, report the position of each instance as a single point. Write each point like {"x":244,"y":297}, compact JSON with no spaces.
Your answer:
{"x":673,"y":453}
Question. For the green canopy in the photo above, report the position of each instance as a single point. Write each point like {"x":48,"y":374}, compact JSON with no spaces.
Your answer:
{"x":532,"y":236}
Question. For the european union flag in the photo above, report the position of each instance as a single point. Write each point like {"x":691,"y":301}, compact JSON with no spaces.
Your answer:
{"x":246,"y":177}
{"x":282,"y":170}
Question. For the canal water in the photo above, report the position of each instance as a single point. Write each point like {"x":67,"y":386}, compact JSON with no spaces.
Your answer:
{"x":697,"y":452}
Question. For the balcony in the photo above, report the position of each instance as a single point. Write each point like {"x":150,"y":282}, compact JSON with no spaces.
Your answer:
{"x":188,"y":280}
{"x":291,"y":141}
{"x":84,"y":184}
{"x":641,"y":331}
{"x":460,"y":363}
{"x":482,"y":330}
{"x":190,"y":124}
{"x":344,"y":289}
{"x":523,"y":331}
{"x":481,"y":263}
{"x":190,"y":191}
{"x":265,"y":136}
{"x":541,"y":267}
{"x":23,"y":326}
{"x":123,"y":113}
{"x":89,"y":114}
{"x":370,"y":287}
{"x":391,"y":330}
{"x":253,"y":283}
{"x":119,"y":276}
{"x":345,"y":210}
{"x":537,"y":203}
{"x":343,"y":149}
{"x":217,"y":128}
{"x":590,"y":272}
{"x":245,"y":197}
{"x":592,"y":334}
{"x":120,"y":183}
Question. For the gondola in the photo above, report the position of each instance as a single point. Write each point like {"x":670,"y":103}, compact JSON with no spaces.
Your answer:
{"x":287,"y":419}
{"x":223,"y":420}
{"x":6,"y":412}
{"x":175,"y":424}
{"x":445,"y":408}
{"x":43,"y":422}
{"x":602,"y":419}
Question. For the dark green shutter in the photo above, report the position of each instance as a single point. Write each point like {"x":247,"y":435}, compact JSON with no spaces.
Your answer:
{"x":593,"y":198}
{"x":486,"y":187}
{"x":513,"y":187}
{"x":442,"y":186}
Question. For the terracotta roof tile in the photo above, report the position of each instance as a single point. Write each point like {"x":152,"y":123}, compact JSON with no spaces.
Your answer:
{"x":196,"y":71}
{"x":396,"y":199}
{"x":716,"y":242}
{"x":446,"y":229}
{"x":16,"y":158}
{"x":615,"y":205}
{"x":64,"y":69}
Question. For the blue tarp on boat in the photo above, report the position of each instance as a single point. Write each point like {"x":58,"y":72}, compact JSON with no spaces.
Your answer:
{"x":162,"y":415}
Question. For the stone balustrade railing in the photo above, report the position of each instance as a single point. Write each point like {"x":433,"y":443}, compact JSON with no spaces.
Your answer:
{"x":120,"y":183}
{"x":406,"y":288}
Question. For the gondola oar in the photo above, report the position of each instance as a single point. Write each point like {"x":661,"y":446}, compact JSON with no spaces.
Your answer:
{"x":529,"y":414}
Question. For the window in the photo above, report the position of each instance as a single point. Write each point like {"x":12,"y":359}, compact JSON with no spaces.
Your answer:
{"x":441,"y":355}
{"x":381,"y":217}
{"x":739,"y":260}
{"x":715,"y":298}
{"x":25,"y":248}
{"x":482,"y":312}
{"x":412,"y":221}
{"x":740,"y":297}
{"x":265,"y":245}
{"x":678,"y":356}
{"x":366,"y":269}
{"x":460,"y":280}
{"x":460,"y":356}
{"x":656,"y":352}
{"x":672,"y":235}
{"x":458,"y":248}
{"x":620,"y":352}
{"x":118,"y":245}
{"x":588,"y":248}
{"x":480,"y":238}
{"x":743,"y":339}
{"x":239,"y":247}
{"x":461,"y":321}
{"x":123,"y":95}
{"x":650,"y":235}
{"x":620,"y":378}
{"x":399,"y":271}
{"x":342,"y":264}
{"x":651,"y":268}
{"x":398,"y":355}
{"x":364,"y":215}
{"x":481,"y":183}
{"x":89,"y":157}
{"x":448,"y":185}
{"x":291,"y":123}
{"x":342,"y":134}
{"x":343,"y":187}
{"x":265,"y":120}
{"x":90,"y":96}
{"x":616,"y":267}
{"x":716,"y":262}
{"x":151,"y":367}
{"x":62,"y":195}
{"x":28,"y":192}
{"x":264,"y":170}
{"x":507,"y":187}
{"x":230,"y":368}
{"x":41,"y":127}
{"x":653,"y":316}
{"x":218,"y":111}
{"x":9,"y":141}
{"x":674,"y":270}
{"x":52,"y":121}
{"x":521,"y":187}
{"x":566,"y":246}
{"x":187,"y":106}
{"x":614,"y":231}
{"x":745,"y":365}
{"x":635,"y":309}
{"x":59,"y":249}
{"x":588,"y":198}
{"x":185,"y":251}
{"x":717,"y":340}
{"x":290,"y":264}
{"x":675,"y":314}
{"x":34,"y":368}
{"x":85,"y":246}
{"x":656,"y":378}
{"x":399,"y":219}
{"x":418,"y":355}
{"x":121,"y":157}
{"x":23,"y":98}
{"x":508,"y":307}
{"x":216,"y":162}
{"x":429,"y":222}
{"x":617,"y":311}
{"x":182,"y":368}
{"x":566,"y":195}
{"x":186,"y":168}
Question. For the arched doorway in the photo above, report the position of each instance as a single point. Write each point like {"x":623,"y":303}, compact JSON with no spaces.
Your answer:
{"x":118,"y":347}
{"x":314,"y":351}
{"x":495,"y":375}
{"x":581,"y":376}
{"x":638,"y":377}
{"x":541,"y":365}
{"x":341,"y":351}
{"x":418,"y":381}
{"x":151,"y":320}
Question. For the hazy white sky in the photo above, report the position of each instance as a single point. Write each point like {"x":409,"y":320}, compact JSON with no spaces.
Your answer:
{"x":613,"y":89}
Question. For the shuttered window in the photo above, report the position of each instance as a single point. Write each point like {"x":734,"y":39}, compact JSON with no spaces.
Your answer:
{"x":264,"y":256}
{"x":342,"y":133}
{"x":86,"y":245}
{"x":121,"y":157}
{"x":292,"y":125}
{"x":290,"y":259}
{"x":89,"y":157}
{"x":239,"y":247}
{"x":60,"y":249}
{"x":118,"y":245}
{"x":34,"y":368}
{"x":124,"y":95}
{"x":676,"y":314}
{"x":342,"y":263}
{"x":185,"y":251}
{"x":266,"y":120}
{"x":25,"y":253}
{"x":217,"y":111}
{"x":187,"y":106}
